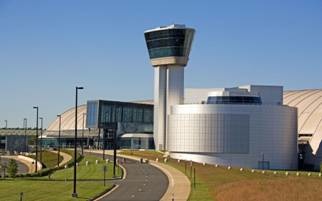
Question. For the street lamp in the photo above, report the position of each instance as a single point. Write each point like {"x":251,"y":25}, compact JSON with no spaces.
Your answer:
{"x":58,"y":151}
{"x":37,"y":110}
{"x":75,"y":140}
{"x":83,"y":133}
{"x":26,"y":140}
{"x":41,"y":124}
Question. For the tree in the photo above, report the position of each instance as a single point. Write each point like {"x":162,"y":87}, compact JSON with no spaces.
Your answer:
{"x":3,"y":167}
{"x":12,"y":168}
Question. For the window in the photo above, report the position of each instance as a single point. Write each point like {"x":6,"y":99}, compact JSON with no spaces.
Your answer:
{"x":234,"y":100}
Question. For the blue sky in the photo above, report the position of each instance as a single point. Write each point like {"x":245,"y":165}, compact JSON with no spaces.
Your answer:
{"x":49,"y":47}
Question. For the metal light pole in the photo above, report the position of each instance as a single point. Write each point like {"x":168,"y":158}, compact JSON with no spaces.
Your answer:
{"x":41,"y":125}
{"x":26,"y":140}
{"x":83,"y":133}
{"x":75,"y":140}
{"x":6,"y":121}
{"x":58,"y":151}
{"x":37,"y":109}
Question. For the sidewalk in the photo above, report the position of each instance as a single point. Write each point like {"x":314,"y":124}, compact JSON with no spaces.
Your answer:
{"x":179,"y":185}
{"x":29,"y":162}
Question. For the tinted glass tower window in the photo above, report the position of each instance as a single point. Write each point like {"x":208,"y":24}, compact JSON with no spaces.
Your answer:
{"x":165,"y":43}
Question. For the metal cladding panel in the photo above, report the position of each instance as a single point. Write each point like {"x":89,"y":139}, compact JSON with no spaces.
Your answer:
{"x":218,"y":134}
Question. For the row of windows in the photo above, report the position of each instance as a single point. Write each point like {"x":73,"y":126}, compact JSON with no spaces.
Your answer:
{"x":165,"y":42}
{"x":234,"y":100}
{"x":166,"y":52}
{"x":165,"y":34}
{"x":115,"y":113}
{"x":91,"y":114}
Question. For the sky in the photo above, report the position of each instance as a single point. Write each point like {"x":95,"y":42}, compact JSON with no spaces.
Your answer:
{"x":49,"y":47}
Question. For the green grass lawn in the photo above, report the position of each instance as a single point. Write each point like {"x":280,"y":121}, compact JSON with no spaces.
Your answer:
{"x":219,"y":183}
{"x":48,"y":190}
{"x":92,"y":171}
{"x":49,"y":159}
{"x":57,"y":188}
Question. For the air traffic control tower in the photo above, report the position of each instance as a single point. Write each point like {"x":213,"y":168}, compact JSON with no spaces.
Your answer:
{"x":169,"y":48}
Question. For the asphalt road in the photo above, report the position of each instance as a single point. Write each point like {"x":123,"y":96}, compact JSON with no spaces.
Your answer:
{"x":22,"y":168}
{"x":143,"y":182}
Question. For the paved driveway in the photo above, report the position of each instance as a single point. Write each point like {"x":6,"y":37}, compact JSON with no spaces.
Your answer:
{"x":143,"y":182}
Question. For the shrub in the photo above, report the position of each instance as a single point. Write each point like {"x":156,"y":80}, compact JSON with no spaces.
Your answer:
{"x":12,"y":168}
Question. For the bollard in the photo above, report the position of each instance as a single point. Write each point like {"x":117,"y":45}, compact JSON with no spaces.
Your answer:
{"x":203,"y":163}
{"x":228,"y":168}
{"x":21,"y":195}
{"x":308,"y":174}
{"x":178,"y":160}
{"x":263,"y":171}
{"x":86,"y":163}
{"x":297,"y":174}
{"x":157,"y":160}
{"x":275,"y":172}
{"x":104,"y":170}
{"x":241,"y":169}
{"x":216,"y":165}
{"x":286,"y":173}
{"x":320,"y":174}
{"x":106,"y":161}
{"x":194,"y":177}
{"x":96,"y":162}
{"x":253,"y":171}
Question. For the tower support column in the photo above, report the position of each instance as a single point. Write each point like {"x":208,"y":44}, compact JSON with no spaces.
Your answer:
{"x":160,"y":96}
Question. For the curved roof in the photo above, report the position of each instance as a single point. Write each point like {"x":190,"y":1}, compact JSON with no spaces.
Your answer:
{"x":68,"y":119}
{"x":309,"y":110}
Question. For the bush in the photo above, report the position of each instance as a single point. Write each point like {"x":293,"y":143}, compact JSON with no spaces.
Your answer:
{"x":12,"y":168}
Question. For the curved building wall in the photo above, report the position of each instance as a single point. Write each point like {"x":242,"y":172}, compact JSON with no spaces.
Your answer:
{"x":237,"y":135}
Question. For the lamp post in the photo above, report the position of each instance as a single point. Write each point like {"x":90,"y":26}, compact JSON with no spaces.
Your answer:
{"x":59,"y":128}
{"x":26,"y":140}
{"x":75,"y":141}
{"x":6,"y":121}
{"x":37,"y":110}
{"x":41,"y":125}
{"x":83,"y":133}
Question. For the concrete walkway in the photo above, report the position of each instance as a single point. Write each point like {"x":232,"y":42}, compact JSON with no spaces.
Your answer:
{"x":179,"y":185}
{"x":66,"y":158}
{"x":22,"y":167}
{"x":29,"y":162}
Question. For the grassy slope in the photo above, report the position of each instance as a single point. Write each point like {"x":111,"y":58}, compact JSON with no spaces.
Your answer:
{"x":221,"y":184}
{"x":59,"y":190}
{"x":49,"y":159}
{"x":92,"y":171}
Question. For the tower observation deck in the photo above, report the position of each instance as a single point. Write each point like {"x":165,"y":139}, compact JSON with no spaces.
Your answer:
{"x":169,"y":48}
